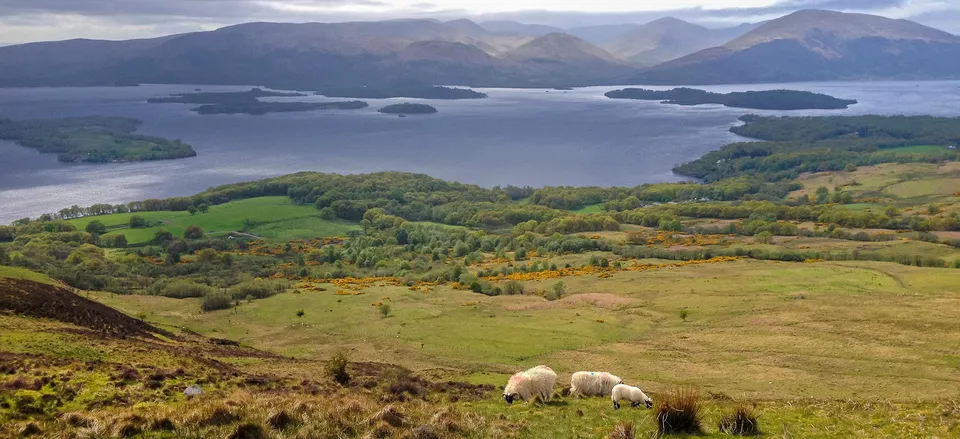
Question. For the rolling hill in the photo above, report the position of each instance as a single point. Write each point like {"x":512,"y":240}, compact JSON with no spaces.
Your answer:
{"x":814,"y":45}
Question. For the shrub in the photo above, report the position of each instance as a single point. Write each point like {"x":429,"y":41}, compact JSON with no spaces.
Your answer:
{"x":512,"y":287}
{"x":679,"y":412}
{"x":193,"y":232}
{"x":384,"y":310}
{"x":258,"y":289}
{"x":337,"y":369}
{"x":179,"y":288}
{"x":764,"y":238}
{"x":684,"y":313}
{"x":137,"y":222}
{"x":742,"y":421}
{"x":300,"y":313}
{"x":215,"y":301}
{"x":96,"y":228}
{"x":556,"y":291}
{"x":956,"y":264}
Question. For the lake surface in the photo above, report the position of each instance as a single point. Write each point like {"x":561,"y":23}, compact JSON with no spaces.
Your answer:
{"x":519,"y":137}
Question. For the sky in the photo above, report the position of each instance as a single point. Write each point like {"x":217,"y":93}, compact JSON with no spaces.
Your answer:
{"x":43,"y":20}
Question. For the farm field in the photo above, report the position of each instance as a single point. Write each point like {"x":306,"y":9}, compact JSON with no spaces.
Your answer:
{"x":273,"y":218}
{"x":905,"y":186}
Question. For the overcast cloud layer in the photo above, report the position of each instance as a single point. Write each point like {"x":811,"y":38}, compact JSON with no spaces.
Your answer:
{"x":41,"y":20}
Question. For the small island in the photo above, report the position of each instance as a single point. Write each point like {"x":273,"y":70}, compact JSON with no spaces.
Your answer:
{"x":756,"y":100}
{"x":404,"y":91}
{"x":261,"y":108}
{"x":235,"y":97}
{"x":93,"y":139}
{"x":408,"y":108}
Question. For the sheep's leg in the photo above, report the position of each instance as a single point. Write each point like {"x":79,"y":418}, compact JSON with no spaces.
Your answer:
{"x":616,"y":405}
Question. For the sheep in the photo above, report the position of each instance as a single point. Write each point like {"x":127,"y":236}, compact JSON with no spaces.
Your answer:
{"x":623,"y":392}
{"x":538,"y":381}
{"x":593,"y":383}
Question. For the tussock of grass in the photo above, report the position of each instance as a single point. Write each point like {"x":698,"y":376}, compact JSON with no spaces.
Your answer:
{"x":679,"y":412}
{"x":622,"y":431}
{"x":742,"y":421}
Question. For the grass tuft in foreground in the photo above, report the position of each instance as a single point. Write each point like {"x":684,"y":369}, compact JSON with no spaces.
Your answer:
{"x":741,"y":421}
{"x":679,"y":412}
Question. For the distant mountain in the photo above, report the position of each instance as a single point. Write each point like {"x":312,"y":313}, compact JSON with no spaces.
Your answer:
{"x":667,"y":39}
{"x":659,"y":41}
{"x":514,"y":27}
{"x":814,"y":45}
{"x":808,"y":45}
{"x":602,"y":35}
{"x":299,"y":56}
{"x":567,"y":57}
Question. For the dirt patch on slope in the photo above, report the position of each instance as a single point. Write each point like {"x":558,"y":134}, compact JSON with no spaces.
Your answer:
{"x":45,"y":301}
{"x":599,"y":300}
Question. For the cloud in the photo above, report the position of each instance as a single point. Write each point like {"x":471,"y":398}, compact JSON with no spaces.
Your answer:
{"x":175,"y":8}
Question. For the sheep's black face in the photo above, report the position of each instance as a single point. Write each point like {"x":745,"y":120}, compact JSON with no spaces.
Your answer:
{"x":509,"y":398}
{"x":649,"y":403}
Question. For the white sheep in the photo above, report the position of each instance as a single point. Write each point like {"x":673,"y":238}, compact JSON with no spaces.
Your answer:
{"x":538,"y":381}
{"x":623,"y":392}
{"x":593,"y":383}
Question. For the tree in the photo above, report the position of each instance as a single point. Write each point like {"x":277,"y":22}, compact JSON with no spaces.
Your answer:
{"x":512,"y":287}
{"x":192,"y":209}
{"x":138,"y":222}
{"x":96,"y":228}
{"x":328,"y":214}
{"x":823,"y":195}
{"x":162,"y":236}
{"x":557,"y":290}
{"x":203,"y":208}
{"x":193,"y":232}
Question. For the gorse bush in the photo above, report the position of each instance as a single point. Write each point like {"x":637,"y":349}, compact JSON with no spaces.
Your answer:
{"x":678,"y":412}
{"x":337,"y":369}
{"x":742,"y":421}
{"x":215,"y":301}
{"x":384,"y":310}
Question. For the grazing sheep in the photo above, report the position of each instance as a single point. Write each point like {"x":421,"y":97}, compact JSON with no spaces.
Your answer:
{"x":593,"y":384}
{"x":623,"y":392}
{"x":538,"y":381}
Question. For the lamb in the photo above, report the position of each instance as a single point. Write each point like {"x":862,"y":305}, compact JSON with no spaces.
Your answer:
{"x":623,"y":392}
{"x":593,"y":384}
{"x":538,"y":381}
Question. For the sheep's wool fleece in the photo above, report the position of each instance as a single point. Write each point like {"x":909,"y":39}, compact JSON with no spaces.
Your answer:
{"x":532,"y":382}
{"x":623,"y":392}
{"x":593,"y":383}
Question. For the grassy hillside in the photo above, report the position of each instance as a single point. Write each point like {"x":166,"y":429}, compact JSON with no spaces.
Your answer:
{"x":22,"y":273}
{"x":272,"y":218}
{"x":806,"y":326}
